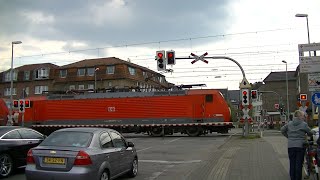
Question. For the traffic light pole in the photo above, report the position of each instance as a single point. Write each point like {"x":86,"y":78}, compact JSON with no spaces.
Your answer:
{"x":246,"y":130}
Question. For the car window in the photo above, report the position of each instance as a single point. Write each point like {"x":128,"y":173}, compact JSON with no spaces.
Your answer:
{"x":105,"y":140}
{"x":29,"y":134}
{"x":12,"y":135}
{"x":118,"y":141}
{"x":68,"y":139}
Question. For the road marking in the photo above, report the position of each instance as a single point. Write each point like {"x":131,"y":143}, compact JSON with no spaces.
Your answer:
{"x":173,"y":140}
{"x":155,"y":175}
{"x":170,"y":162}
{"x":144,"y":149}
{"x":219,"y":171}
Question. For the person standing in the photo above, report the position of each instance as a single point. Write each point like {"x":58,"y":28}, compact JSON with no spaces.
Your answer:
{"x":296,"y":131}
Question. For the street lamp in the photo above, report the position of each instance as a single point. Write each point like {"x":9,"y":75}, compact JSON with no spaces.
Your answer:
{"x":306,"y":16}
{"x":11,"y":80}
{"x":288,"y":110}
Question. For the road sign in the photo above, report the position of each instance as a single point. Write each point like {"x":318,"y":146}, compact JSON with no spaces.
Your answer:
{"x":197,"y":58}
{"x":316,"y":98}
{"x":314,"y":81}
{"x":309,"y":47}
{"x":309,"y":60}
{"x":276,"y":106}
{"x":309,"y":68}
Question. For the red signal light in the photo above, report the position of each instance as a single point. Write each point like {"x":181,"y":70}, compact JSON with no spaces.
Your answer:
{"x":21,"y":102}
{"x":15,"y":103}
{"x":244,"y":92}
{"x":160,"y":55}
{"x":303,"y":97}
{"x":170,"y":55}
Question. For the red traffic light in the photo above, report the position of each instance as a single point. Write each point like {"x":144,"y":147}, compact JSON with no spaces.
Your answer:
{"x":160,"y":55}
{"x":244,"y":92}
{"x":170,"y":55}
{"x":15,"y":103}
{"x":21,"y":102}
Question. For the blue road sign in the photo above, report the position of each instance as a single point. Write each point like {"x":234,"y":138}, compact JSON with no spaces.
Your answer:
{"x":316,"y":98}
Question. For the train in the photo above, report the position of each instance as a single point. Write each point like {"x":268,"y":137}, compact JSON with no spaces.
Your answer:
{"x":193,"y":112}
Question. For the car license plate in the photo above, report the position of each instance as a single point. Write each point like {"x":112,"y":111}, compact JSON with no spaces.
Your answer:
{"x":53,"y":160}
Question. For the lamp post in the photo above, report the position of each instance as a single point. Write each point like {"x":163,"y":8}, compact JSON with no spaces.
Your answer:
{"x":11,"y":81}
{"x":288,"y":110}
{"x":306,"y":16}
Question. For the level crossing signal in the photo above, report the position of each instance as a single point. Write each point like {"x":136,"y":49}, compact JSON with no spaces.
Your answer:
{"x":254,"y":94}
{"x":171,"y":60}
{"x":21,"y":105}
{"x":15,"y":103}
{"x":303,"y":97}
{"x":245,"y":96}
{"x":161,"y":60}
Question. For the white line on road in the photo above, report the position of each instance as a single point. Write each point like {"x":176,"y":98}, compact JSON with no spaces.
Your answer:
{"x":144,"y":149}
{"x":155,"y":175}
{"x":170,"y":162}
{"x":173,"y":140}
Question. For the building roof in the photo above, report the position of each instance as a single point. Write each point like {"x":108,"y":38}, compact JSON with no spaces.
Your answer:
{"x":280,"y":76}
{"x":234,"y":95}
{"x":104,"y":61}
{"x":30,"y":67}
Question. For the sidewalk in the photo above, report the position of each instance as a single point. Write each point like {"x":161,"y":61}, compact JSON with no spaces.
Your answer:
{"x":263,"y":158}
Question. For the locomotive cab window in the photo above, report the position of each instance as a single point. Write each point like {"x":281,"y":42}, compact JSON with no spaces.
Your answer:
{"x":209,"y":98}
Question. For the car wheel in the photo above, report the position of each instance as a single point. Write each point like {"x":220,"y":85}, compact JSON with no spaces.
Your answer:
{"x":134,"y":168}
{"x":104,"y":175}
{"x":6,"y":165}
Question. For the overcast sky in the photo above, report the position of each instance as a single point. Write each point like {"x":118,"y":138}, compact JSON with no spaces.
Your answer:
{"x":259,"y":34}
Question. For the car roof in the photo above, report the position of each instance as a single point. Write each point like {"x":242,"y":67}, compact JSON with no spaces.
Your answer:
{"x":5,"y":129}
{"x":84,"y":129}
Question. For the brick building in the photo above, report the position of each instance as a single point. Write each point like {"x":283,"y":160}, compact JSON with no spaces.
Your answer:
{"x":106,"y":73}
{"x":274,"y":91}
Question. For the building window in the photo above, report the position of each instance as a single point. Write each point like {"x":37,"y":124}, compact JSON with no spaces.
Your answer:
{"x":90,"y":86}
{"x":40,"y":89}
{"x":81,"y":72}
{"x":110,"y":69}
{"x":81,"y":87}
{"x":26,"y":76}
{"x":7,"y":92}
{"x":144,"y":74}
{"x":63,"y":73}
{"x":26,"y":90}
{"x":42,"y":73}
{"x":7,"y":76}
{"x":90,"y":71}
{"x":132,"y":70}
{"x":72,"y":87}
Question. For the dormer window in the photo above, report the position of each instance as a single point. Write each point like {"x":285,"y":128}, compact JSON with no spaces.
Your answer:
{"x":7,"y":76}
{"x":42,"y":73}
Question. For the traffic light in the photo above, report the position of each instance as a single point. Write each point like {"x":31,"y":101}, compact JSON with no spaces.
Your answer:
{"x":245,"y":97}
{"x":15,"y":103}
{"x":27,"y":103}
{"x":303,"y":97}
{"x":171,"y":59}
{"x":21,"y":105}
{"x":161,"y":60}
{"x":253,"y":94}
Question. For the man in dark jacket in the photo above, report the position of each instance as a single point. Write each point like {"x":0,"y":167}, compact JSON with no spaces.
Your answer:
{"x":296,"y":131}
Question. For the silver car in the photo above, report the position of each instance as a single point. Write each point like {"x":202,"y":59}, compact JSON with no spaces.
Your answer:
{"x":82,"y":154}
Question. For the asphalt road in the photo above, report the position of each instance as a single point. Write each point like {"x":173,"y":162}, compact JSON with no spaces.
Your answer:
{"x":171,"y":157}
